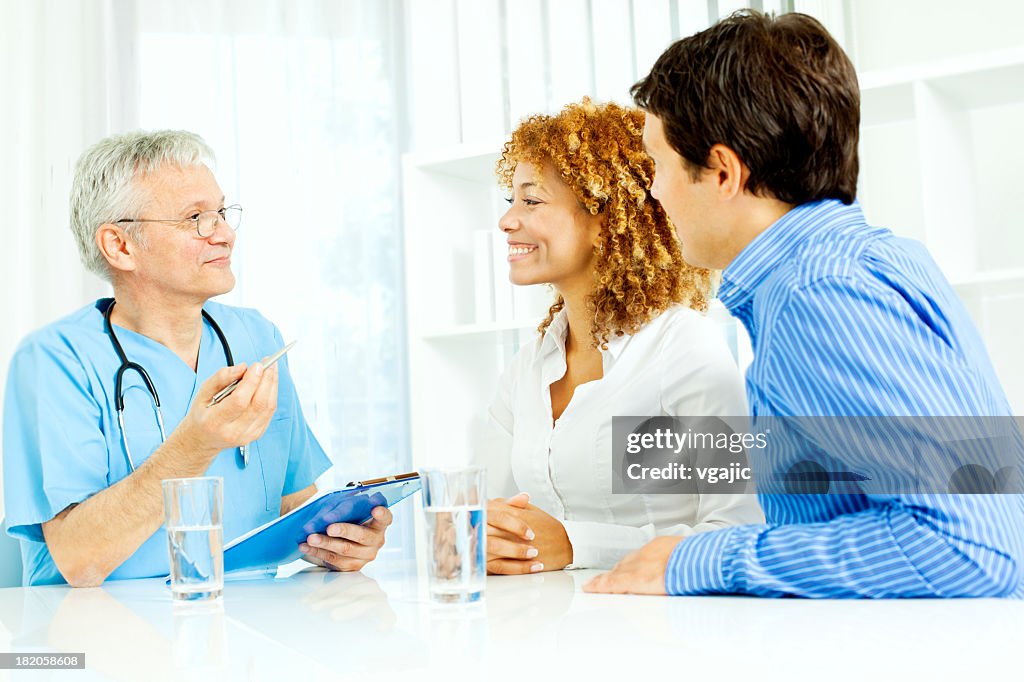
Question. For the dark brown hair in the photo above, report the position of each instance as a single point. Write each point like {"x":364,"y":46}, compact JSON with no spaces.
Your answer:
{"x":778,"y":91}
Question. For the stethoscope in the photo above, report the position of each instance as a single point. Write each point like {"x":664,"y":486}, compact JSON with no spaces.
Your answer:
{"x":126,"y":366}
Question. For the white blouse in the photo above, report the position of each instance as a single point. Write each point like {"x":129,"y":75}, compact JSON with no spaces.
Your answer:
{"x":676,"y":365}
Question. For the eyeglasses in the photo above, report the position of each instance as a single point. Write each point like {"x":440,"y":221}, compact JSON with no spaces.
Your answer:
{"x":204,"y":222}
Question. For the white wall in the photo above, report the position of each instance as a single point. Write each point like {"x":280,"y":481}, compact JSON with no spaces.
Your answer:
{"x":888,"y":33}
{"x":300,"y":102}
{"x":941,"y":157}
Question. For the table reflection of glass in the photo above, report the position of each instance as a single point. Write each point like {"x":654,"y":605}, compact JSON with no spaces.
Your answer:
{"x":119,"y":639}
{"x":316,"y":619}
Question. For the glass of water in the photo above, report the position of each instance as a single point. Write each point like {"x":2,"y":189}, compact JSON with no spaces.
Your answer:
{"x":455,"y":505}
{"x":193,"y":513}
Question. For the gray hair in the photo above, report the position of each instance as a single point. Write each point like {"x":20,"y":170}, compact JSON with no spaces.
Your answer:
{"x":104,"y":189}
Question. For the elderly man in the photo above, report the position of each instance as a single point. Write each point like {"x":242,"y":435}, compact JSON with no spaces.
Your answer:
{"x":82,"y":480}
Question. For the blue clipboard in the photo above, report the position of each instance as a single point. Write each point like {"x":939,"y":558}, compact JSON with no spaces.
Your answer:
{"x":277,"y":542}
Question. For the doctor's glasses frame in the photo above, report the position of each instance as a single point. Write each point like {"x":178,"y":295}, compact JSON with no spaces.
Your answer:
{"x":204,"y":222}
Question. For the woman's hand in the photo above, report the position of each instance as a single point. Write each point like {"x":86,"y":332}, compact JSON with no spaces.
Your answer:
{"x":522,"y":538}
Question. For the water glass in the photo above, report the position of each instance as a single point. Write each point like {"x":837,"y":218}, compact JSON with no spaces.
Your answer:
{"x":455,"y":506}
{"x":193,"y":512}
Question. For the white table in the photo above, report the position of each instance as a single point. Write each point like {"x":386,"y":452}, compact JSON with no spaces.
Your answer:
{"x":380,"y":626}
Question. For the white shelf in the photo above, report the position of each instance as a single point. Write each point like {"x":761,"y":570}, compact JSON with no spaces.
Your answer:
{"x":997,"y":61}
{"x":992,"y":282}
{"x":472,"y":162}
{"x":969,"y":82}
{"x":463,"y":330}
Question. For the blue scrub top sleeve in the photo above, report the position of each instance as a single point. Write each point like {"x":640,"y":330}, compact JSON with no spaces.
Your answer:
{"x":306,"y":458}
{"x":54,"y":450}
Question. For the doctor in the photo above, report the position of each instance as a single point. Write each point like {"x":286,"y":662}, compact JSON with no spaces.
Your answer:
{"x":82,"y":482}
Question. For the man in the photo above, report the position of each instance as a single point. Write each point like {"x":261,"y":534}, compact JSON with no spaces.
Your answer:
{"x":82,"y":480}
{"x":753,"y":127}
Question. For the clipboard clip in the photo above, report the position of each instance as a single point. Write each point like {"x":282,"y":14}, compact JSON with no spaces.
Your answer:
{"x":384,"y":479}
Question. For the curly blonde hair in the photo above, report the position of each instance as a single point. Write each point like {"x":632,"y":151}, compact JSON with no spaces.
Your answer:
{"x":598,"y":152}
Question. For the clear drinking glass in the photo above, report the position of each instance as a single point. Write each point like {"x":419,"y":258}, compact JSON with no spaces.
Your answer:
{"x":193,"y":511}
{"x":455,"y":505}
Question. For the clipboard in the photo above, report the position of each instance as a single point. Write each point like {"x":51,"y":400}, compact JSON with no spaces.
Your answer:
{"x":277,"y":542}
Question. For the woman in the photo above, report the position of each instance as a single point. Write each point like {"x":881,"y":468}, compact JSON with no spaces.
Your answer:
{"x":625,"y":336}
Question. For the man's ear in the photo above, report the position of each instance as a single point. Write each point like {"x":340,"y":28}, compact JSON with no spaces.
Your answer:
{"x":729,"y":171}
{"x":115,"y":246}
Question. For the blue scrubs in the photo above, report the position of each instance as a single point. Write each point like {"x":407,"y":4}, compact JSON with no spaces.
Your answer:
{"x":62,"y":443}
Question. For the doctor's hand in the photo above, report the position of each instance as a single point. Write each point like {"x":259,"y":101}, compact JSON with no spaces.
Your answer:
{"x":238,"y":419}
{"x":642,"y":572}
{"x":522,"y":538}
{"x":353,"y":597}
{"x":347,"y":546}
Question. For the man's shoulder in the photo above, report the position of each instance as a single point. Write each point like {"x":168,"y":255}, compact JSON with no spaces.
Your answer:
{"x":232,"y":316}
{"x":73,"y":331}
{"x":828,"y":261}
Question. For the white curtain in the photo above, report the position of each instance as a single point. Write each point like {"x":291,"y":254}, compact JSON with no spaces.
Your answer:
{"x":301,"y":102}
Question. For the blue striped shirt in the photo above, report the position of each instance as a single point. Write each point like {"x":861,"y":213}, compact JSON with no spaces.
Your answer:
{"x":847,"y":319}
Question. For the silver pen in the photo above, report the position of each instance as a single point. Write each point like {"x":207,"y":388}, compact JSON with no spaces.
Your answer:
{"x":229,"y":389}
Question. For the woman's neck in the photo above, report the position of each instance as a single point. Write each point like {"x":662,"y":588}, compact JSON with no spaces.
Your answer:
{"x":580,"y":323}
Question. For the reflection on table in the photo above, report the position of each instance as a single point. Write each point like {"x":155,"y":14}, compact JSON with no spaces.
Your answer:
{"x":528,"y":627}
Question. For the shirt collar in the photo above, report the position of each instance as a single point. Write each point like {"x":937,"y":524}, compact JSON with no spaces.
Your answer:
{"x":554,"y":335}
{"x":766,"y":251}
{"x":616,"y":344}
{"x":554,"y":339}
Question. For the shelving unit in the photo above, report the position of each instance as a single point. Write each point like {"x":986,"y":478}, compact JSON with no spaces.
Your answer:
{"x":928,"y":136}
{"x":940,"y":157}
{"x":940,"y":153}
{"x":488,"y":328}
{"x":455,"y":359}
